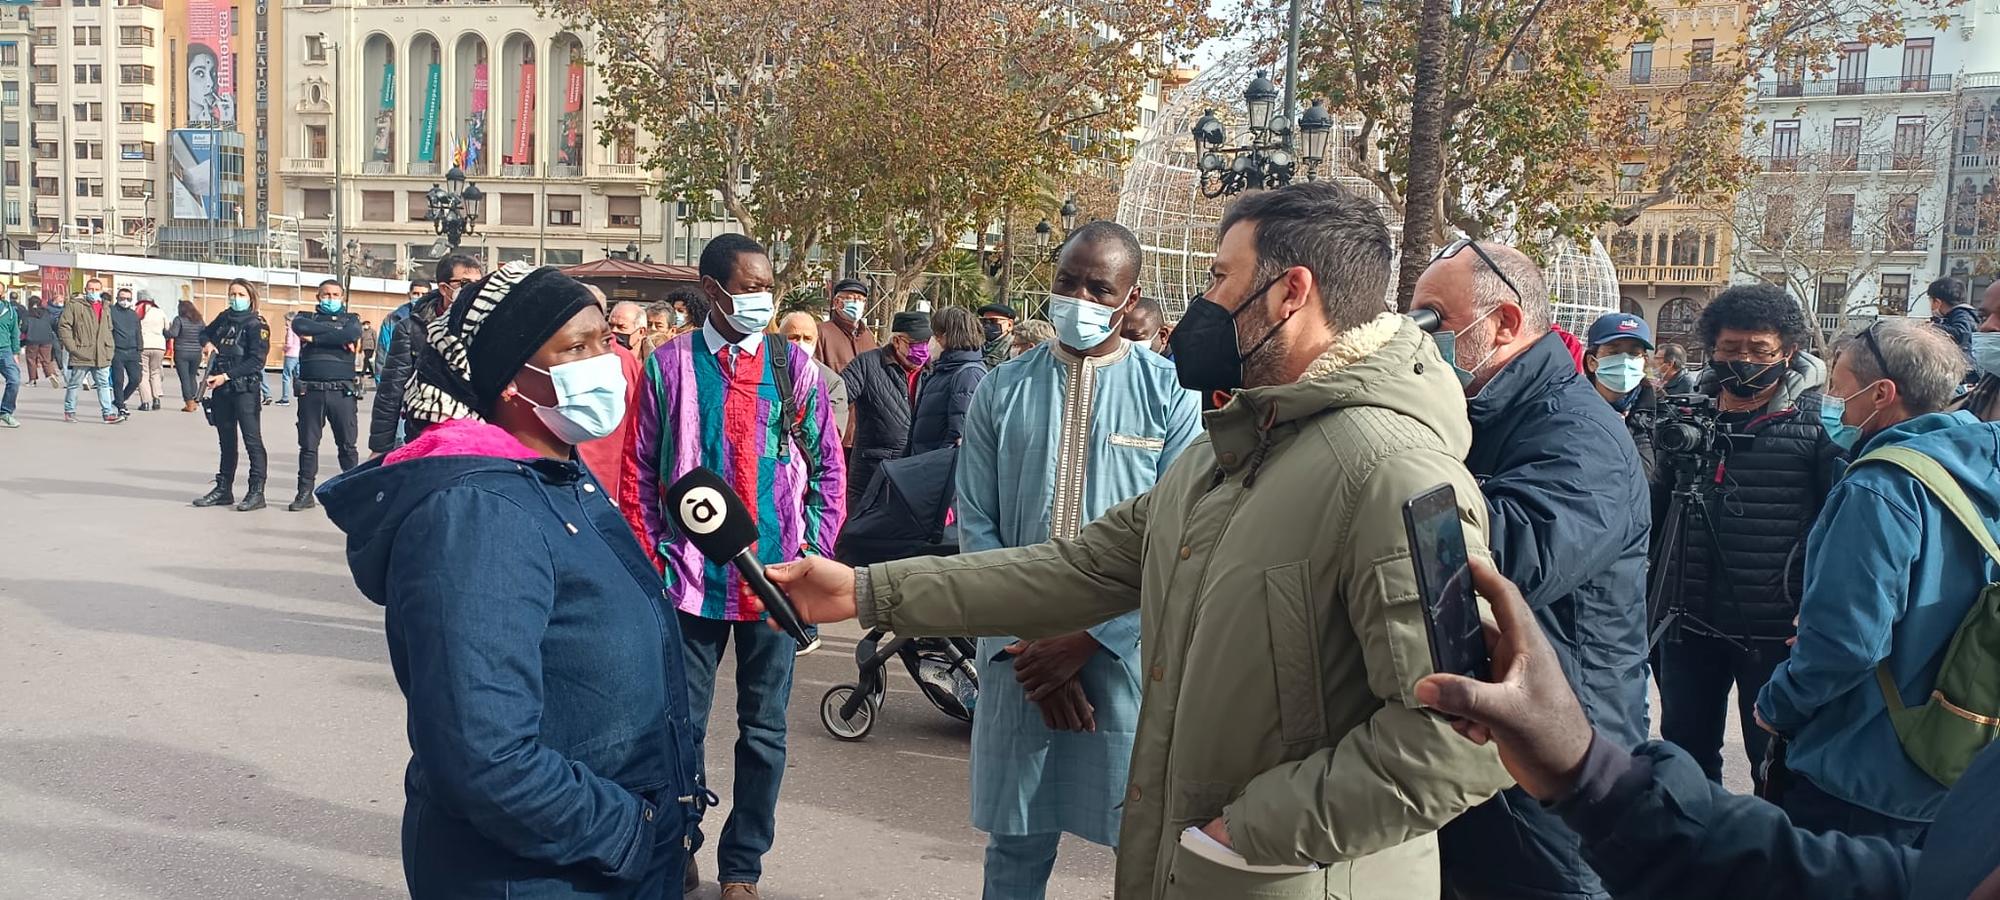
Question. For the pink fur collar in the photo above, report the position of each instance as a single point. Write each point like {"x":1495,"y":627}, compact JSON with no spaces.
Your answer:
{"x":461,"y":437}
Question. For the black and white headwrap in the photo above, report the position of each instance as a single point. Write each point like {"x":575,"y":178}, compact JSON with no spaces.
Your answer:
{"x":472,"y":351}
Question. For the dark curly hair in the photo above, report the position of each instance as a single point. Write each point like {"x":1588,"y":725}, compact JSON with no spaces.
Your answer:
{"x":1755,"y":307}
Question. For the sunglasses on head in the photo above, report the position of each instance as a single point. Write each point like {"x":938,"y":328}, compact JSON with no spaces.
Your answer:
{"x":1459,"y":245}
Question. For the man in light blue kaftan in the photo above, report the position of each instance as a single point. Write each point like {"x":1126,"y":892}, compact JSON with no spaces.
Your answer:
{"x":1055,"y":438}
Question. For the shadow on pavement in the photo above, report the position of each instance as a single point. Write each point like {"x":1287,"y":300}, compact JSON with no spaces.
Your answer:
{"x":199,"y":479}
{"x":149,"y":612}
{"x":35,"y":487}
{"x":319,"y":587}
{"x":197,"y":795}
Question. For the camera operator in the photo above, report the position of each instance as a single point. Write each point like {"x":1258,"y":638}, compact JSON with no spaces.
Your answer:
{"x":1570,"y":522}
{"x":1739,"y":563}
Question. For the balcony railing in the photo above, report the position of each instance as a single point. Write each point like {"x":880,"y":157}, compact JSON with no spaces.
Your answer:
{"x":560,"y":171}
{"x":516,"y":170}
{"x":1979,"y":160}
{"x":1691,"y":275}
{"x":378,"y":167}
{"x":306,"y":165}
{"x":1850,"y":162}
{"x":1972,"y":244}
{"x":619,"y":170}
{"x":424,"y":168}
{"x":1850,"y":87}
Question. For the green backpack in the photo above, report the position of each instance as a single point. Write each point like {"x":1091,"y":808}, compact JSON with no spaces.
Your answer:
{"x":1962,"y":715}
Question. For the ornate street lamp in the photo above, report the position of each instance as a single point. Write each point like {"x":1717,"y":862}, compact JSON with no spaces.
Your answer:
{"x":1069,"y":214}
{"x":1265,"y":159}
{"x":455,"y":208}
{"x":1042,"y":232}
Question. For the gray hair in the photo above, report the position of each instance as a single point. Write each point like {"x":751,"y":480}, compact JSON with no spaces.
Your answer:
{"x":1489,"y":290}
{"x":1922,"y":361}
{"x":1337,"y":235}
{"x":623,"y":305}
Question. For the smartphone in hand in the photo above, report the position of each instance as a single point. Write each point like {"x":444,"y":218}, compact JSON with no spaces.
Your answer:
{"x":1444,"y":582}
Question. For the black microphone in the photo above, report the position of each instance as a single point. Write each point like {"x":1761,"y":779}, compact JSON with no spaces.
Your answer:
{"x":710,"y":515}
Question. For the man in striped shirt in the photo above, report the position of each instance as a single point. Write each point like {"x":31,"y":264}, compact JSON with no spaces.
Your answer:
{"x":715,"y":397}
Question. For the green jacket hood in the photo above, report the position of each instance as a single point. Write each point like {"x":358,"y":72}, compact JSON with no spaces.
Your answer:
{"x":1388,"y":362}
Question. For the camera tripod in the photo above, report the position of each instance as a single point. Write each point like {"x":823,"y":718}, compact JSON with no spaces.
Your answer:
{"x":1666,"y":597}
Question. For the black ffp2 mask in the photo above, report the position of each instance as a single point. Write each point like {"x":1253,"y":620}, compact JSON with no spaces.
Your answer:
{"x":1204,"y":347}
{"x":1748,"y":379}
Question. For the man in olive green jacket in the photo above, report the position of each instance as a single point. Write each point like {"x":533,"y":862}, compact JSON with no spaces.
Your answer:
{"x":1281,"y":626}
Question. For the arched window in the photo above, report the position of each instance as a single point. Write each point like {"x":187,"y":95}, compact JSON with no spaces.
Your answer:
{"x":1677,"y":325}
{"x":379,"y":55}
{"x":1687,"y":248}
{"x":1631,"y":307}
{"x":1625,"y":248}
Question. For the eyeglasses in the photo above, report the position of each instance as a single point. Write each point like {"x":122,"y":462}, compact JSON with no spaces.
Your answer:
{"x":1874,"y":348}
{"x":1462,"y":243}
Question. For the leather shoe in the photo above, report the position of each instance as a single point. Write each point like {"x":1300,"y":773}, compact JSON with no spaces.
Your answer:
{"x":737,"y":890}
{"x":692,"y":880}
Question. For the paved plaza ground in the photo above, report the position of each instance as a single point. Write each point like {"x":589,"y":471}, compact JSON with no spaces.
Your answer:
{"x":198,"y":703}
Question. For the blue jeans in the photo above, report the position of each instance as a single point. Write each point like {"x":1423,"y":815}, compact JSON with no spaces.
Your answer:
{"x":286,"y":378}
{"x":1018,"y":865}
{"x":764,"y":659}
{"x":99,"y":377}
{"x":10,"y":371}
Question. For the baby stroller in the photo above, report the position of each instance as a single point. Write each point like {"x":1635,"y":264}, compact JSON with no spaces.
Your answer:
{"x":905,"y":512}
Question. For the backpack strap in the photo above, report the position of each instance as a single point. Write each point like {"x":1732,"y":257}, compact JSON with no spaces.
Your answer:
{"x":780,"y":351}
{"x":1943,"y":485}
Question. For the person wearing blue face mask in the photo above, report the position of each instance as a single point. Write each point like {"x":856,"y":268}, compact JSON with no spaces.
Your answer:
{"x":1616,"y":364}
{"x":842,"y":337}
{"x":1984,"y":398}
{"x":328,"y":338}
{"x":1891,"y":571}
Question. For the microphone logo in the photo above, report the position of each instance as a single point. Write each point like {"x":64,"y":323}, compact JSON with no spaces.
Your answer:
{"x":702,"y":510}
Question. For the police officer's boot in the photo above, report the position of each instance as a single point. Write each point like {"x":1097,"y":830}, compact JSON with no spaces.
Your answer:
{"x":220,"y":495}
{"x":304,"y":500}
{"x":254,"y":499}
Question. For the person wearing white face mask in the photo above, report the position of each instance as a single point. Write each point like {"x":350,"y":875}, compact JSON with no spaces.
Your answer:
{"x":1984,"y":398}
{"x":547,"y":721}
{"x":1616,"y":364}
{"x":752,"y":407}
{"x":842,"y":337}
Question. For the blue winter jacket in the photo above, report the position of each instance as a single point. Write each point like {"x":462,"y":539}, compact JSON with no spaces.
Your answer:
{"x":1656,"y":828}
{"x":1890,"y":573}
{"x":1571,"y":515}
{"x":551,"y":753}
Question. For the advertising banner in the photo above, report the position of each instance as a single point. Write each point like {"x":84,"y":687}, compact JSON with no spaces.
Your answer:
{"x":191,"y":172}
{"x":433,"y":99}
{"x":55,"y":283}
{"x":475,"y":125}
{"x":524,"y":125}
{"x":383,"y":148}
{"x":570,"y":151}
{"x":211,"y":66}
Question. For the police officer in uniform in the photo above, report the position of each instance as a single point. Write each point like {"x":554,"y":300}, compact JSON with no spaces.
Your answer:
{"x":328,"y":339}
{"x":235,"y":382}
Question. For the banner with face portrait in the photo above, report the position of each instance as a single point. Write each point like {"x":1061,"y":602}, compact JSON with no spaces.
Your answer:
{"x":211,"y":64}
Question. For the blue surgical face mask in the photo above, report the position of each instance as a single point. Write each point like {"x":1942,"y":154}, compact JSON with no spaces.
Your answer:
{"x":753,"y":311}
{"x":331,"y":305}
{"x":590,"y":399}
{"x":1621,"y":373}
{"x":239,"y":304}
{"x":1832,"y":410}
{"x":1986,"y":352}
{"x":853,"y":309}
{"x":677,"y":318}
{"x":1080,"y":324}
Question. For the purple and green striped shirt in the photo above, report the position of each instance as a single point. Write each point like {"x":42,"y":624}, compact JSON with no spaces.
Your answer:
{"x":706,"y":403}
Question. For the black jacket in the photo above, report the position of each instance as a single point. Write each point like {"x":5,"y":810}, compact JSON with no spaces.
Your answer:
{"x":241,"y":341}
{"x":1656,"y":829}
{"x":1684,"y":383}
{"x":398,"y":367}
{"x":1570,"y":525}
{"x":1960,"y":322}
{"x":39,"y":326}
{"x":878,"y":393}
{"x":326,"y":343}
{"x":125,"y":330}
{"x":1639,"y":421}
{"x":944,"y":393}
{"x":1757,"y":513}
{"x":186,"y":337}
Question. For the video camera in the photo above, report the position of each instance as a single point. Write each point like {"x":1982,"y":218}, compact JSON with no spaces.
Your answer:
{"x":1689,"y":434}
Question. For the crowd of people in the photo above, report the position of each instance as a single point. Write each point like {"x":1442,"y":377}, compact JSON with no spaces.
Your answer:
{"x":1182,"y":551}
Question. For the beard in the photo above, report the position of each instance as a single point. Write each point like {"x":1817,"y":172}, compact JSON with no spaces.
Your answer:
{"x":1261,"y":364}
{"x":1475,"y":348}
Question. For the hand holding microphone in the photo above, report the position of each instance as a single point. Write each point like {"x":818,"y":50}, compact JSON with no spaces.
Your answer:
{"x":712,"y":518}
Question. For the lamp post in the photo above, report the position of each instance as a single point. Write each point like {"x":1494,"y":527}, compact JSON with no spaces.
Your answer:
{"x":455,"y":208}
{"x":1266,"y":158}
{"x":1069,"y":213}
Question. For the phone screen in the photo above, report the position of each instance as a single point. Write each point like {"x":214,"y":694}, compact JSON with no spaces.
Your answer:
{"x":1451,"y":614}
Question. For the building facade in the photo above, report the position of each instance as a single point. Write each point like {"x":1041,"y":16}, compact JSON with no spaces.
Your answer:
{"x":381,"y":99}
{"x":1848,"y":206}
{"x":16,"y":198}
{"x":1677,"y":255}
{"x":1972,"y":234}
{"x":97,"y":108}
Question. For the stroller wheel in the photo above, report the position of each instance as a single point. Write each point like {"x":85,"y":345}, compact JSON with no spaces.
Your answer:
{"x":847,"y":729}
